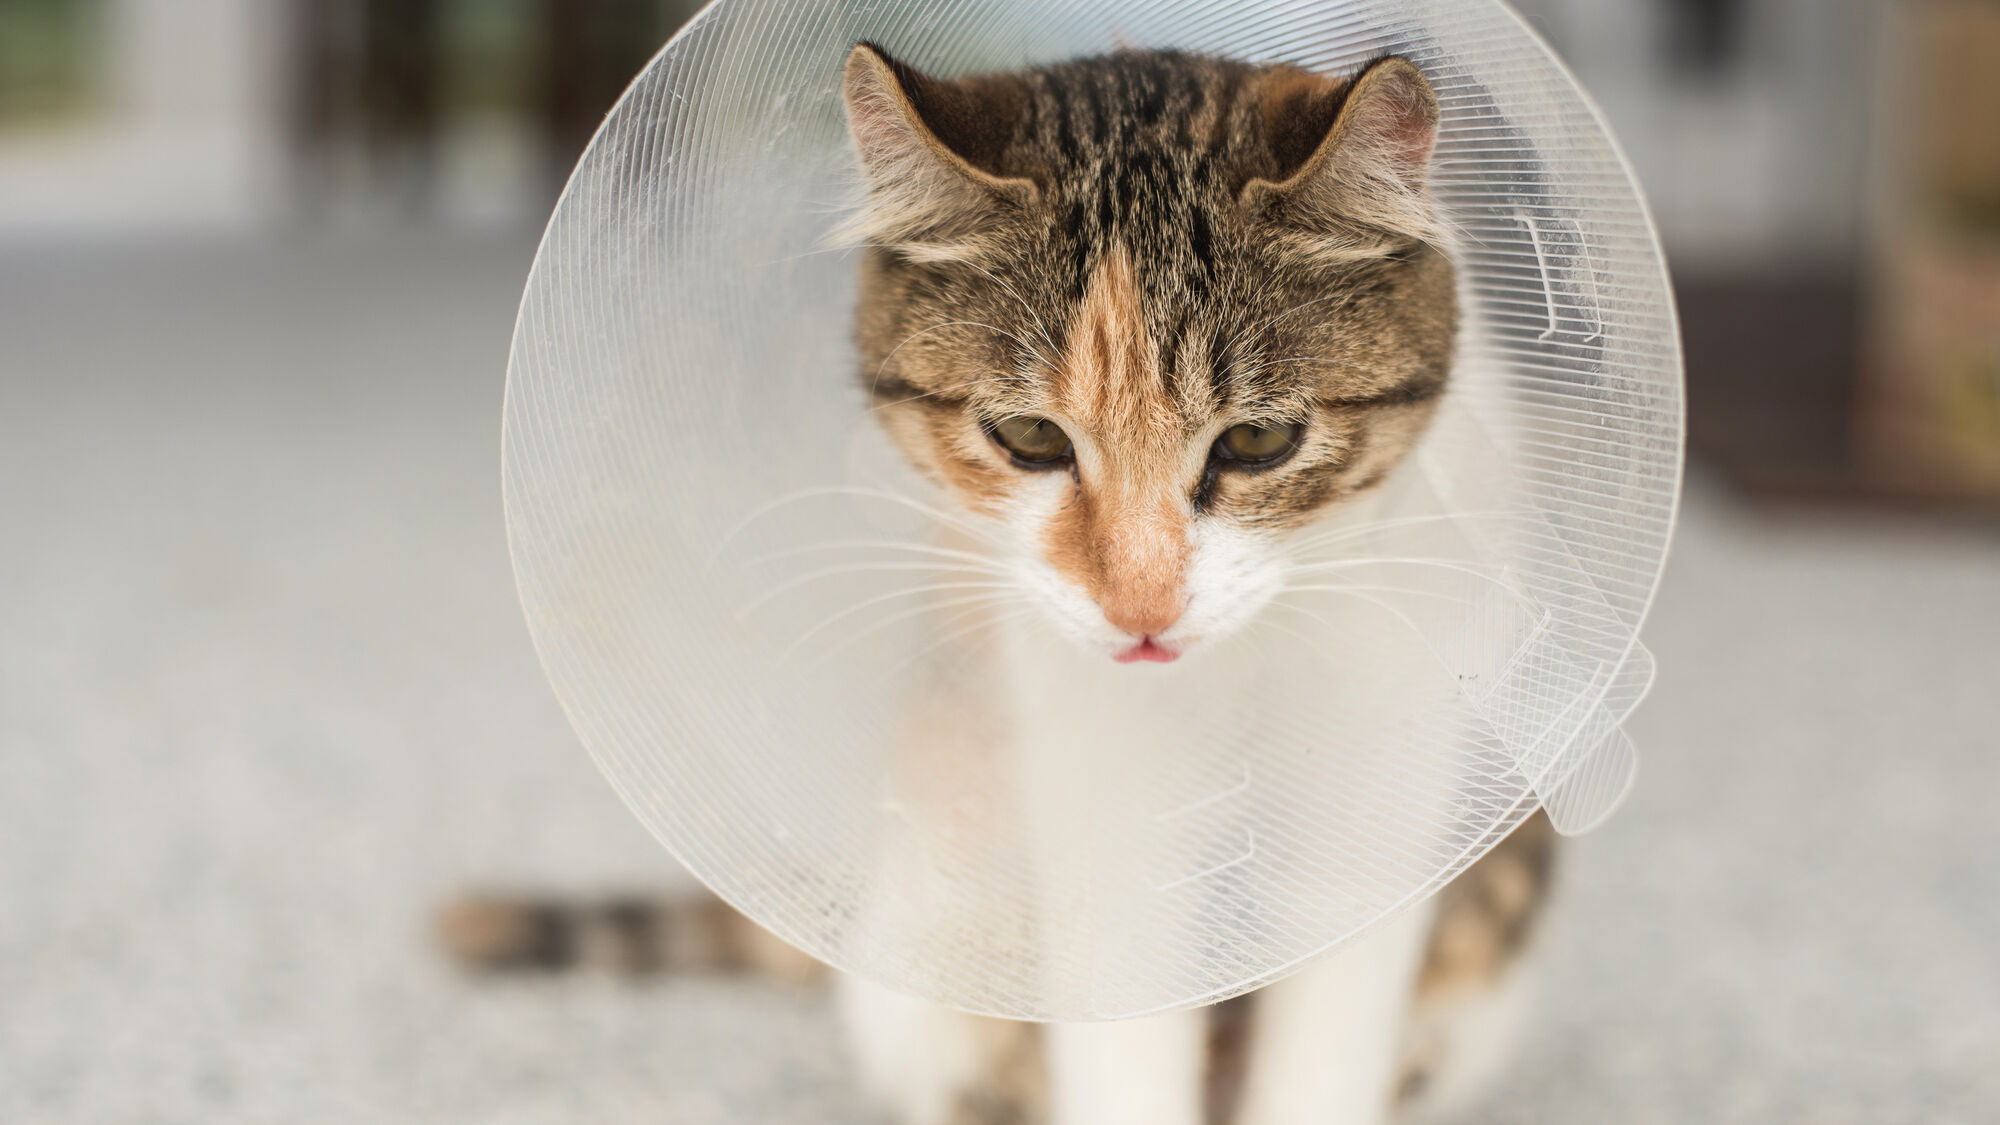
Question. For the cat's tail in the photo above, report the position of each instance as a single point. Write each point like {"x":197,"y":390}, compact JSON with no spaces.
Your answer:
{"x":626,"y":934}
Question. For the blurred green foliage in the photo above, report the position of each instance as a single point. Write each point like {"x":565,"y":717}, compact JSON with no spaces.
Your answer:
{"x":491,"y":48}
{"x":488,"y":61}
{"x":51,"y":58}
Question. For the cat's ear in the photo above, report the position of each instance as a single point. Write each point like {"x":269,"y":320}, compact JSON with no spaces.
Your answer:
{"x":1359,"y":189}
{"x":927,"y":145}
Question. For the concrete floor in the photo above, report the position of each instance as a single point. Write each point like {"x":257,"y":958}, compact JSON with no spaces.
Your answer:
{"x":265,"y":699}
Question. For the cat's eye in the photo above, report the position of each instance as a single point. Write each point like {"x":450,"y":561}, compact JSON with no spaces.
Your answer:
{"x":1254,"y":444}
{"x":1036,"y":442}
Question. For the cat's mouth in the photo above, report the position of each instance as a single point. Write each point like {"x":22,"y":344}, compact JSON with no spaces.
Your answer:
{"x":1149,"y":651}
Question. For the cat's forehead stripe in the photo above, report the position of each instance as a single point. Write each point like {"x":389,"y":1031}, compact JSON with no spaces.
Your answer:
{"x":1110,"y":372}
{"x":1132,"y":359}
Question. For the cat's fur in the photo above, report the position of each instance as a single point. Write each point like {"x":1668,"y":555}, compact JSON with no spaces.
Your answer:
{"x":1147,"y":249}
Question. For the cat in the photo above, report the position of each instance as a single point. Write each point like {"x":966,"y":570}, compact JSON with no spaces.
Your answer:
{"x":1151,"y":313}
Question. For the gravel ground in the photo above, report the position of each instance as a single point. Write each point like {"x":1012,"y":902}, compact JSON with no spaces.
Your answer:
{"x":265,"y":698}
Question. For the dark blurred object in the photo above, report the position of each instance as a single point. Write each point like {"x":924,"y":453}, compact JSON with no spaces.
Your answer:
{"x":378,"y":81}
{"x":591,"y":52}
{"x":1706,"y":36}
{"x":368,"y":73}
{"x":1770,"y":377}
{"x":1929,"y":408}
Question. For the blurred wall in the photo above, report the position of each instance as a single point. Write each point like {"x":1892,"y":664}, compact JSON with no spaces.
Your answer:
{"x":1747,"y":120}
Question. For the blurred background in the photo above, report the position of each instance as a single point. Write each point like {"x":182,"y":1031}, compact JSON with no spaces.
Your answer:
{"x":266,"y":701}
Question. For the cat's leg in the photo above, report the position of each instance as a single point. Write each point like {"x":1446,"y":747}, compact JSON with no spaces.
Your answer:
{"x":1460,"y":1044}
{"x":930,"y":1065}
{"x":1475,"y":984}
{"x":913,"y":1057}
{"x":1326,"y":1042}
{"x":1146,"y":1071}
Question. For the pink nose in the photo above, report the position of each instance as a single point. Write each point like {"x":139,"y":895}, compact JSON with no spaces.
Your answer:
{"x":1147,"y":618}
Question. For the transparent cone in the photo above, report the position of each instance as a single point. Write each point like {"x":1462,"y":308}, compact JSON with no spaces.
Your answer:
{"x":786,"y":663}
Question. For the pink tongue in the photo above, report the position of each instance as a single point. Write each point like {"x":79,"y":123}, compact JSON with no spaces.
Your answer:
{"x":1149,"y":651}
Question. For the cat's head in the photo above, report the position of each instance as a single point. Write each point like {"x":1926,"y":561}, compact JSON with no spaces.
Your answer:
{"x":1150,"y":312}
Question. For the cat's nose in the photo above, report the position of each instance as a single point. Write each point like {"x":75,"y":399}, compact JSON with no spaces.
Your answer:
{"x":1144,"y":617}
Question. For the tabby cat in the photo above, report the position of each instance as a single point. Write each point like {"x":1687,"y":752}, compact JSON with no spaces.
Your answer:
{"x":1151,"y":312}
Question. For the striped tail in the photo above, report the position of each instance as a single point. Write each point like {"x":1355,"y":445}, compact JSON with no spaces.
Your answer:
{"x":628,"y":934}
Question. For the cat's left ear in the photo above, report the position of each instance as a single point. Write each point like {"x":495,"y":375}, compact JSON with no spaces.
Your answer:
{"x":1361,"y":190}
{"x":930,"y":147}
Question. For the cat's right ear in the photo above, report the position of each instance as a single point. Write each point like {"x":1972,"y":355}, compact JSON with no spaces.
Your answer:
{"x":921,"y":140}
{"x":1359,"y":191}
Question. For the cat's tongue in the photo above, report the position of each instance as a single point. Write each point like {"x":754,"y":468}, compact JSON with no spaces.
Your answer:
{"x":1147,"y":650}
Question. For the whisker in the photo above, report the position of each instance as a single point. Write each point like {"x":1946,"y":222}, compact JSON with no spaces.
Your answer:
{"x":963,"y":603}
{"x":1340,"y":534}
{"x":892,"y":595}
{"x":1343,"y":588}
{"x":962,"y":606}
{"x":1278,"y":602}
{"x":788,"y":259}
{"x":982,"y":622}
{"x":796,"y":581}
{"x":873,"y":544}
{"x":1370,"y":598}
{"x":1273,"y":361}
{"x":1267,"y":623}
{"x":874,"y":406}
{"x":822,"y":491}
{"x":1026,"y":611}
{"x":1441,"y":564}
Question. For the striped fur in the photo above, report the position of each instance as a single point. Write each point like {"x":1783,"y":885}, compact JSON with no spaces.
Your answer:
{"x":1268,"y":273}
